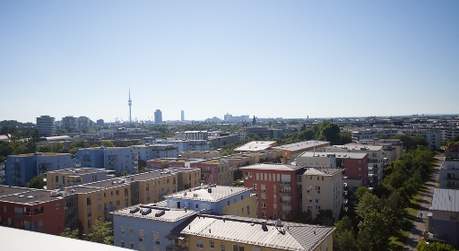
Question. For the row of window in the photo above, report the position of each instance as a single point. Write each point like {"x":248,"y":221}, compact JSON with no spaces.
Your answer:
{"x":200,"y":244}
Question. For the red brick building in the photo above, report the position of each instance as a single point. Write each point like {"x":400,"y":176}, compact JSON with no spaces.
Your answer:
{"x":277,"y":188}
{"x":355,"y":167}
{"x":35,"y":210}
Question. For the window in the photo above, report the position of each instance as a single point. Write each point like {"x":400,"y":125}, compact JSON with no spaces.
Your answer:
{"x":200,"y":244}
{"x":222,"y":247}
{"x":212,"y":244}
{"x":122,"y":244}
{"x":238,"y":248}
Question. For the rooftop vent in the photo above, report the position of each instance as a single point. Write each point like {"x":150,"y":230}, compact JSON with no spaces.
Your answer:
{"x":30,"y":197}
{"x":264,"y":226}
{"x":21,"y":196}
{"x":209,"y":190}
{"x":160,"y":213}
{"x":145,"y":211}
{"x":134,"y":210}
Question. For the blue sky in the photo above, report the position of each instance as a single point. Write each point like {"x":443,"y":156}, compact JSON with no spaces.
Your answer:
{"x":263,"y":58}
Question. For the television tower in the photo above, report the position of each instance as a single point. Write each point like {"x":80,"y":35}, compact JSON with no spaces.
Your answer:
{"x":130,"y":104}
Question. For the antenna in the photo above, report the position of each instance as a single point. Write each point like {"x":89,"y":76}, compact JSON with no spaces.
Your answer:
{"x":130,"y":104}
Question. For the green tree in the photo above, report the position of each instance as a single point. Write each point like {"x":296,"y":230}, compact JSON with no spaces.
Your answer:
{"x":374,"y":227}
{"x":37,"y":182}
{"x":101,"y":232}
{"x":69,"y":233}
{"x":434,"y":246}
{"x":344,"y":235}
{"x":328,"y":131}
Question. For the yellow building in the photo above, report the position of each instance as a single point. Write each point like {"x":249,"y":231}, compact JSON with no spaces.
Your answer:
{"x":209,"y":232}
{"x":75,"y":176}
{"x":95,"y":201}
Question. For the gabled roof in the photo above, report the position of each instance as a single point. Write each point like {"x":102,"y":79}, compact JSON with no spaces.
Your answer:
{"x":445,"y":200}
{"x":288,"y":236}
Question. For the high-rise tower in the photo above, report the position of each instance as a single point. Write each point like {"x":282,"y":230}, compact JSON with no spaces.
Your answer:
{"x":130,"y":104}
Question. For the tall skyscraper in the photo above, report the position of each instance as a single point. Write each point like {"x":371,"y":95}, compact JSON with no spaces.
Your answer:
{"x":130,"y":104}
{"x":158,"y":116}
{"x":45,"y":125}
{"x":182,"y":115}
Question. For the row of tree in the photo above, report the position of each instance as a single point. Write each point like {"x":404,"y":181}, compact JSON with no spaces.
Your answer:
{"x":101,"y":232}
{"x":323,"y":131}
{"x":378,"y":215}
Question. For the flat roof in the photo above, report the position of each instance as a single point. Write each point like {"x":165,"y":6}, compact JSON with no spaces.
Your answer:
{"x":255,"y":146}
{"x":32,"y":197}
{"x":39,"y":154}
{"x":9,"y":190}
{"x":170,"y":214}
{"x":361,"y":147}
{"x":303,"y":145}
{"x":284,"y":236}
{"x":338,"y":155}
{"x":149,"y":175}
{"x":13,"y":239}
{"x":322,"y":171}
{"x":78,"y":171}
{"x":445,"y":200}
{"x":202,"y":194}
{"x":271,"y":167}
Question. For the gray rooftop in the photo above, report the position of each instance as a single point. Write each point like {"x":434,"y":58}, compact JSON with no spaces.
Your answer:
{"x":170,"y":214}
{"x":271,"y":167}
{"x":255,"y":146}
{"x":79,"y":171}
{"x":322,"y":171}
{"x":303,"y":145}
{"x":32,"y":197}
{"x":445,"y":200}
{"x":9,"y":190}
{"x":338,"y":155}
{"x":16,"y":240}
{"x":249,"y":231}
{"x":201,"y":193}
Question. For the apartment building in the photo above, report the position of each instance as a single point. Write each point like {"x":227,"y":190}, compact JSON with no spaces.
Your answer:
{"x":149,"y":227}
{"x":123,"y":160}
{"x":210,"y":232}
{"x":449,"y":174}
{"x":443,"y":220}
{"x":21,"y":168}
{"x":192,"y":135}
{"x":290,"y":151}
{"x":277,"y":189}
{"x":75,"y":176}
{"x":154,"y":151}
{"x":355,"y":165}
{"x":32,"y":209}
{"x":215,"y":199}
{"x":45,"y":126}
{"x":322,"y":189}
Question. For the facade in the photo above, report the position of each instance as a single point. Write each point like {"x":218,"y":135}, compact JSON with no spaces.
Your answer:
{"x":277,"y":189}
{"x":322,"y":189}
{"x":213,"y":172}
{"x":158,"y":116}
{"x":20,"y":169}
{"x":32,"y":209}
{"x":45,"y":125}
{"x":122,"y":160}
{"x":192,"y":135}
{"x":355,"y":165}
{"x":210,"y":232}
{"x":148,"y":227}
{"x":69,"y":123}
{"x":216,"y":200}
{"x":91,"y":157}
{"x":75,"y":176}
{"x":155,"y":151}
{"x":444,"y":218}
{"x":449,"y":174}
{"x":290,"y":151}
{"x":316,"y":160}
{"x":186,"y":145}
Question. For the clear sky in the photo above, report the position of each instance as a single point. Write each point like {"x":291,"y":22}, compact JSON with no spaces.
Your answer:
{"x":264,"y":58}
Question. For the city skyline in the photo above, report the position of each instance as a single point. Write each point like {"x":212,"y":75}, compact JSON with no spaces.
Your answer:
{"x":263,"y":58}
